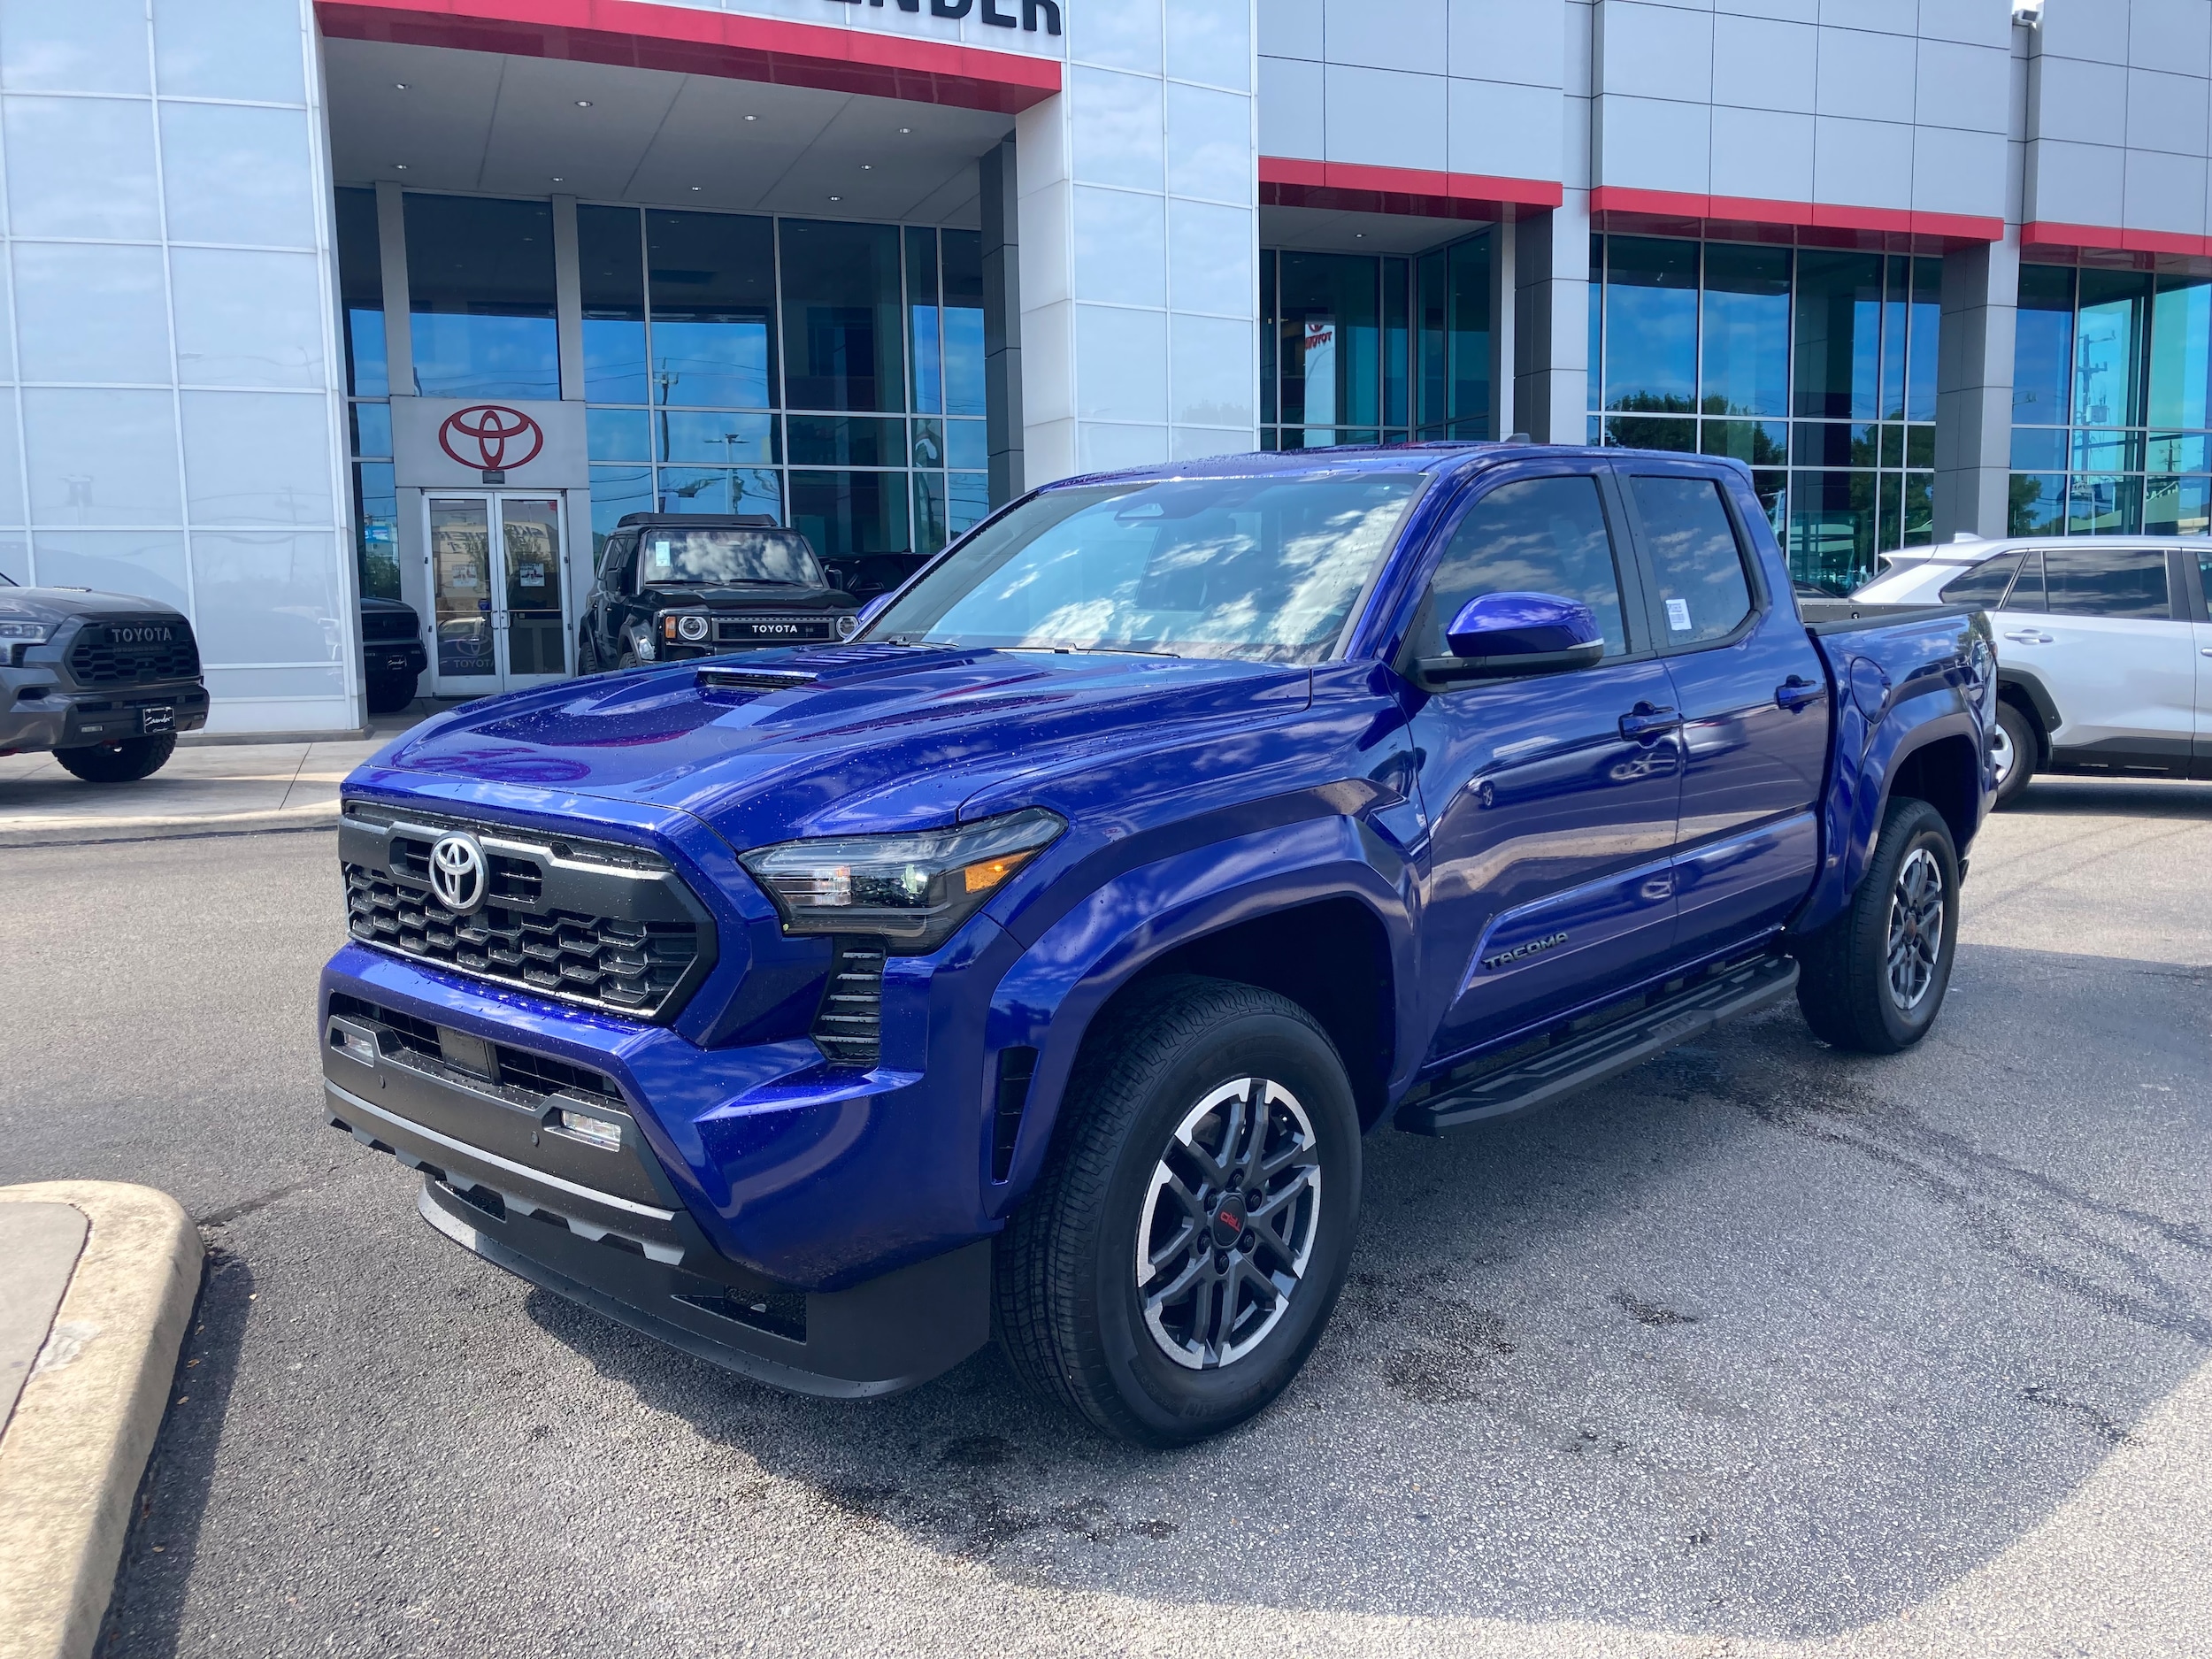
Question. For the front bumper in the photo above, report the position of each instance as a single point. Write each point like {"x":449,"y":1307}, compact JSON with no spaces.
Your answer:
{"x":393,"y":657}
{"x":38,"y":713}
{"x":603,"y":1225}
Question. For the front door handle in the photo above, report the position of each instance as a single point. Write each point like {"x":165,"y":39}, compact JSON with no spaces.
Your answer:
{"x":2031,"y":637}
{"x":1649,"y":720}
{"x":1797,"y":692}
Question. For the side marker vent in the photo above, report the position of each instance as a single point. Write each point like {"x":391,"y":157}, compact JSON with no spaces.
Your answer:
{"x":1016,"y":1068}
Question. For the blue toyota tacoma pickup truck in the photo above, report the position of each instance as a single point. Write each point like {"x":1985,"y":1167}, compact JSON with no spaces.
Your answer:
{"x":1034,"y":964}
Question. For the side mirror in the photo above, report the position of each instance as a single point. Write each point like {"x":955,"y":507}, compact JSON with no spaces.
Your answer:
{"x":1510,"y":636}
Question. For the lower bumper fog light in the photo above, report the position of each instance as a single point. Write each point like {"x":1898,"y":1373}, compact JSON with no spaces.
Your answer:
{"x":598,"y":1130}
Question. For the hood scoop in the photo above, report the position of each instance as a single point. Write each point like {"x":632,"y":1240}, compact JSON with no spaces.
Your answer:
{"x":753,"y":679}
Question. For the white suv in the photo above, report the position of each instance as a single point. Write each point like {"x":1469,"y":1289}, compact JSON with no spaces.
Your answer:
{"x":2104,"y":650}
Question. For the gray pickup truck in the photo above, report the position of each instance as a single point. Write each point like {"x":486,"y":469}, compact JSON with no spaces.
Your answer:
{"x":103,"y":680}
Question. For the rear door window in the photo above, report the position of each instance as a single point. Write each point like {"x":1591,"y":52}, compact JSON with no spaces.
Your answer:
{"x":1704,"y":590}
{"x":2121,"y":582}
{"x":1984,"y":586}
{"x":1535,"y":536}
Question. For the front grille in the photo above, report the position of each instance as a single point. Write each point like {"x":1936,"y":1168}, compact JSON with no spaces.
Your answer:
{"x":125,"y":653}
{"x":848,"y":1026}
{"x":378,"y":626}
{"x":777,"y":628}
{"x":531,"y":1073}
{"x":596,"y":922}
{"x":628,"y":966}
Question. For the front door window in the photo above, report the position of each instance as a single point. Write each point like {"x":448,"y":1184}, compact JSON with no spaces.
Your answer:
{"x":496,"y":592}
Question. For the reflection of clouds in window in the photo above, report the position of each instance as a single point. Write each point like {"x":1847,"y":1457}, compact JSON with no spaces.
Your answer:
{"x":1260,"y":569}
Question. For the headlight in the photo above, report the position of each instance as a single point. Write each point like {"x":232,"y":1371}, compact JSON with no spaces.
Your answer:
{"x":914,"y":890}
{"x":847,"y":627}
{"x":689,"y":629}
{"x":22,"y":634}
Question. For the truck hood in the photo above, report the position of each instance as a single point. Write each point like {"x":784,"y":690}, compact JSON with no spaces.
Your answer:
{"x":60,"y":604}
{"x":837,"y":739}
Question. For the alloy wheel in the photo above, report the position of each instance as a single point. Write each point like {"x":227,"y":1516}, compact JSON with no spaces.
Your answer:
{"x":2000,"y":752}
{"x":1915,"y":929}
{"x":1229,"y":1223}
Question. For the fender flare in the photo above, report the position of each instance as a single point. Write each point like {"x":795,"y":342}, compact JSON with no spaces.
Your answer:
{"x":2030,"y":685}
{"x":1048,"y":999}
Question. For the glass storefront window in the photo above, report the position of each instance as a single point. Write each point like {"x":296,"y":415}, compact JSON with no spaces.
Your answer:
{"x":376,"y":526}
{"x":480,"y":294}
{"x":1839,"y":335}
{"x":712,"y":280}
{"x":846,"y":513}
{"x":1650,"y":297}
{"x":1362,"y":350}
{"x":361,"y":294}
{"x":2127,"y":355}
{"x":843,"y":347}
{"x":2181,"y":353}
{"x":611,"y":262}
{"x":963,"y":323}
{"x":2111,"y":337}
{"x":923,"y":324}
{"x":1330,"y":307}
{"x":1809,"y":359}
{"x":1747,"y":346}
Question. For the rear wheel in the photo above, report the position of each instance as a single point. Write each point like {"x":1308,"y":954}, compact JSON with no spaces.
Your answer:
{"x":1875,"y":978}
{"x":2013,"y":748}
{"x":123,"y":762}
{"x":1183,"y":1252}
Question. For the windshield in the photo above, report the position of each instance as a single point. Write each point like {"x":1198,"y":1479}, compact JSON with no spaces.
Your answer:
{"x":708,"y":556}
{"x":1258,"y":568}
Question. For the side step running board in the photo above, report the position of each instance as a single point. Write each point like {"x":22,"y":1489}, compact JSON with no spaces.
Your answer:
{"x":1596,"y":1056}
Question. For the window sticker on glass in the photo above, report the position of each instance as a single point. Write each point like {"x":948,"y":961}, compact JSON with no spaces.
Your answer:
{"x":532,"y":575}
{"x":1679,"y":615}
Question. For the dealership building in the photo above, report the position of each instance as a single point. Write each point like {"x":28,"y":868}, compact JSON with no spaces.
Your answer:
{"x":417,"y":298}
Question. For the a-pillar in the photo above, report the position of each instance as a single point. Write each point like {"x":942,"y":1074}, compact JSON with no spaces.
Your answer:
{"x":1973,"y":482}
{"x":1139,"y":241}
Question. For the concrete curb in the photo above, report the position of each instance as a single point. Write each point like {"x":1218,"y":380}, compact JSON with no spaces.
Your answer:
{"x":73,"y":1452}
{"x":78,"y":832}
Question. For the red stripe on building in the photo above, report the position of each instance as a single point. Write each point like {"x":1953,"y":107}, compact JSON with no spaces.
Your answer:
{"x":1722,"y":214}
{"x":683,"y":40}
{"x":1347,"y":187}
{"x":2108,"y":238}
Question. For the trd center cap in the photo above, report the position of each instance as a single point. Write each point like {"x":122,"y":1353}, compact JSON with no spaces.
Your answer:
{"x":1229,"y":1221}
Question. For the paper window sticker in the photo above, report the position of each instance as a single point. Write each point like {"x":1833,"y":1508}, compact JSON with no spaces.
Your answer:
{"x":1679,"y":615}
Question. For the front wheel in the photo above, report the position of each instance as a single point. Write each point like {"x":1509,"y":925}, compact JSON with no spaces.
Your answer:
{"x":126,"y":761}
{"x":1874,"y":979}
{"x":1185,"y":1246}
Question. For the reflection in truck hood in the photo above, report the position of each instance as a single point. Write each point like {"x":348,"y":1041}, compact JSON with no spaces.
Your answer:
{"x":838,"y":740}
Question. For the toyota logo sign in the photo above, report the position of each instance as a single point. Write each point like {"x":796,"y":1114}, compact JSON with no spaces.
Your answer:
{"x":458,"y":874}
{"x":491,"y":437}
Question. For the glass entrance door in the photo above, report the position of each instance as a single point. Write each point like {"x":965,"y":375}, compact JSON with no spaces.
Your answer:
{"x":496,"y":592}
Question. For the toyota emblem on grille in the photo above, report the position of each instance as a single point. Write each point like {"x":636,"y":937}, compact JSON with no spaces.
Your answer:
{"x":458,"y":873}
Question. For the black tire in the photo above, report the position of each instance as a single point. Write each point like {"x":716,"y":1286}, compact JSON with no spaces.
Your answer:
{"x":388,"y":693}
{"x":123,"y":762}
{"x":2020,"y":748}
{"x":626,"y":661}
{"x":587,"y":655}
{"x":1071,"y":1314}
{"x":1874,"y":979}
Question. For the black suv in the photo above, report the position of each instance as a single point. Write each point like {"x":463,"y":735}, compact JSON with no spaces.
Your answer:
{"x":104,"y":680}
{"x":680,"y":585}
{"x":392,"y":654}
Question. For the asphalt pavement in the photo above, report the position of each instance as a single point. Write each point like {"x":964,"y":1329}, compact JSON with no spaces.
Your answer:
{"x":1763,"y":1348}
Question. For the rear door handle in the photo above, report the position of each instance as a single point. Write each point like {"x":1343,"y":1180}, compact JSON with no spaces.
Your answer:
{"x":1797,"y":692}
{"x":1649,"y":720}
